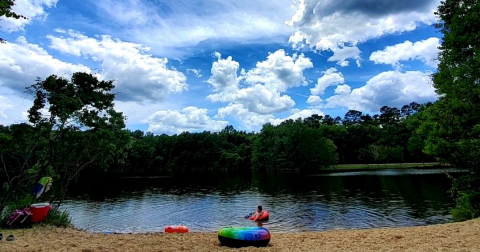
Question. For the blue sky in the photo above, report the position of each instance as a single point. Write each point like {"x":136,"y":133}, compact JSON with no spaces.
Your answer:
{"x":194,"y":65}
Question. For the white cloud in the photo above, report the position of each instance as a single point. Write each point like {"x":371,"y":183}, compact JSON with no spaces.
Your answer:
{"x":167,"y":26}
{"x":341,"y":55}
{"x":424,"y":50}
{"x":330,"y":77}
{"x":13,"y":109}
{"x":224,"y":78}
{"x":32,"y":9}
{"x":266,"y":82}
{"x":248,"y":118}
{"x":390,"y":88}
{"x":188,"y":119}
{"x":259,"y":99}
{"x":314,"y":99}
{"x":254,"y":121}
{"x":280,"y":71}
{"x":196,"y":72}
{"x":334,"y":24}
{"x":256,"y":103}
{"x":138,"y":75}
{"x":343,"y":89}
{"x":21,"y":63}
{"x":295,"y":114}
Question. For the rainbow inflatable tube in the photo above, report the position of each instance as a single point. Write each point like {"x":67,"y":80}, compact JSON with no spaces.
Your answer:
{"x":263,"y":217}
{"x":244,"y":236}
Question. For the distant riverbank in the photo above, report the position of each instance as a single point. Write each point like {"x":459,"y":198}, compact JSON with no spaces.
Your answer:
{"x":461,"y":236}
{"x":357,"y":167}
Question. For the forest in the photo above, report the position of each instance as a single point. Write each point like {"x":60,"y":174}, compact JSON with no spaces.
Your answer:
{"x":73,"y":128}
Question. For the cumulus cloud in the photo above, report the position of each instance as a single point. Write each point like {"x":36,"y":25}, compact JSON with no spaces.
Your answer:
{"x":22,"y":62}
{"x":338,"y":24}
{"x":331,"y":77}
{"x":314,"y":99}
{"x":224,"y":78}
{"x":341,"y":55}
{"x":265,"y":82}
{"x":295,"y":114}
{"x":138,"y":75}
{"x":343,"y":90}
{"x":248,"y":118}
{"x":188,"y":119}
{"x":280,"y":71}
{"x":13,"y":109}
{"x":253,"y":120}
{"x":32,"y":9}
{"x":255,"y":95}
{"x":391,"y":88}
{"x":423,"y":50}
{"x":171,"y":26}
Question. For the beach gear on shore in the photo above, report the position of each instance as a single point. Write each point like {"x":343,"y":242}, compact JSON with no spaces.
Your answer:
{"x":39,"y":211}
{"x":244,"y":236}
{"x":264,"y":216}
{"x":43,"y":185}
{"x":19,"y":217}
{"x":176,"y":229}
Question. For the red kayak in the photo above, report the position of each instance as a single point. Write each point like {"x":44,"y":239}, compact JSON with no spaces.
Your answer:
{"x":264,"y":216}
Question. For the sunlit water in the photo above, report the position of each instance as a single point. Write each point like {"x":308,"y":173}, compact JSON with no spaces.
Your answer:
{"x":384,"y":198}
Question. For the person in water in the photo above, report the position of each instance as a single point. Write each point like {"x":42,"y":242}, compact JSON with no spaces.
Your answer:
{"x":258,"y":213}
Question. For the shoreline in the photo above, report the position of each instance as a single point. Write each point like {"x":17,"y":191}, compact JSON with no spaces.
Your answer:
{"x":457,"y":236}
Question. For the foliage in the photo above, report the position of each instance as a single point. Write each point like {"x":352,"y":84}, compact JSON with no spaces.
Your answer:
{"x":451,"y":128}
{"x":80,"y":126}
{"x":58,"y":218}
{"x":292,"y":146}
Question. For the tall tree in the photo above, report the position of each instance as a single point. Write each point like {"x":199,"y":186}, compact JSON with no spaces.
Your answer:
{"x":78,"y":120}
{"x":453,"y":129}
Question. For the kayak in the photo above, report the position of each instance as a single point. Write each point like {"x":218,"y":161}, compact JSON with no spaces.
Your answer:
{"x":244,"y":236}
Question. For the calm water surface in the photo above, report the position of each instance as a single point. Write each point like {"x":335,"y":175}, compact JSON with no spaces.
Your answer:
{"x":384,"y":198}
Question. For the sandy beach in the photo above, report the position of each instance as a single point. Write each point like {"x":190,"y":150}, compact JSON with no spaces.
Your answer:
{"x":462,"y":236}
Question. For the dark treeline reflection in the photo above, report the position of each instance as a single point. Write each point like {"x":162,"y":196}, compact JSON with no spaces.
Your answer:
{"x":296,"y":202}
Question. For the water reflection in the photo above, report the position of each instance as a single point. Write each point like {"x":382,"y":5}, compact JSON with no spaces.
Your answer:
{"x":295,"y":203}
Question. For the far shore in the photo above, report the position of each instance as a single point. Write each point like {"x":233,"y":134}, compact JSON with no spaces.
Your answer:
{"x":357,"y":167}
{"x":460,"y":236}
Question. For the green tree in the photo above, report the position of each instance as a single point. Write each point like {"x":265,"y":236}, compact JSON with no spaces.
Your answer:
{"x":78,"y":121}
{"x":453,"y":127}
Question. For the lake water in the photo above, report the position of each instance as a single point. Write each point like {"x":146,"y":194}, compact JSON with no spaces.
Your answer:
{"x":347,"y":200}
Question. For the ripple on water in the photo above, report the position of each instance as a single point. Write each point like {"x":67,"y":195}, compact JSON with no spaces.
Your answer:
{"x":313,"y":204}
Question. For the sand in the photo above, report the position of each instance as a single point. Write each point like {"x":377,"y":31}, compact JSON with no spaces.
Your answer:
{"x":461,"y":236}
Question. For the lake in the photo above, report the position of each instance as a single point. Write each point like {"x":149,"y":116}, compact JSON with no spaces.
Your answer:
{"x":207,"y":202}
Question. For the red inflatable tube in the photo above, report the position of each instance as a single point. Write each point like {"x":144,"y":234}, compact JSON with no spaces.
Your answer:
{"x":264,"y":216}
{"x":176,"y":229}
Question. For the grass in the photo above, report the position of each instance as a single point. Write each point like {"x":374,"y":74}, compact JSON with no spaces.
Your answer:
{"x":384,"y":166}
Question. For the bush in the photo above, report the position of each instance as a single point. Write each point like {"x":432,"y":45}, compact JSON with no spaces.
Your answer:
{"x":467,"y":206}
{"x":58,"y":218}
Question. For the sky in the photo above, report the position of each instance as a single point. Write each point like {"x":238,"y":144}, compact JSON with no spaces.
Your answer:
{"x":195,"y":65}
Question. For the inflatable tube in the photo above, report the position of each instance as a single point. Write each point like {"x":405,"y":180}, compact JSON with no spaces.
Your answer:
{"x":176,"y":229}
{"x":264,"y":216}
{"x":244,"y":236}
